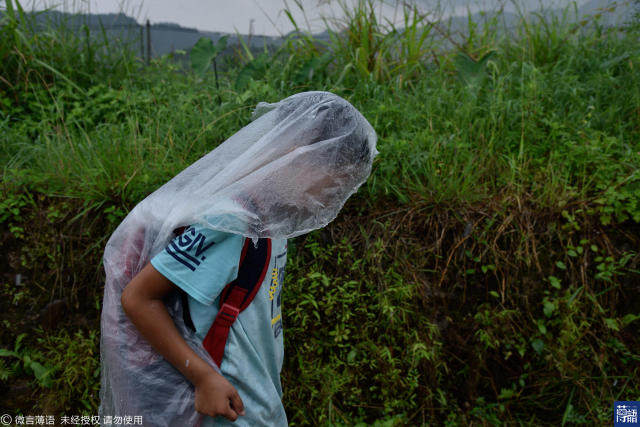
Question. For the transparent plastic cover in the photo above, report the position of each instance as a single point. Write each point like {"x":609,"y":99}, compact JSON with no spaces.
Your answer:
{"x":288,"y":172}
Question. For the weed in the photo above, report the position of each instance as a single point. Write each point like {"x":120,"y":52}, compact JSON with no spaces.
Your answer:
{"x":27,"y":360}
{"x":77,"y":381}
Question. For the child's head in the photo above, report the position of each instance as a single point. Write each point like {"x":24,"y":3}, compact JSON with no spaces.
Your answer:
{"x":288,"y":172}
{"x":316,"y":153}
{"x":335,"y":119}
{"x":309,"y":118}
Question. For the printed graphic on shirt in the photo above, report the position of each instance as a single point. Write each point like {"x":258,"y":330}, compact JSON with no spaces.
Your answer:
{"x":275,"y":293}
{"x":189,"y":248}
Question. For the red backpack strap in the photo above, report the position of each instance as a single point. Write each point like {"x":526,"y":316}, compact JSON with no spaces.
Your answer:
{"x":237,"y":295}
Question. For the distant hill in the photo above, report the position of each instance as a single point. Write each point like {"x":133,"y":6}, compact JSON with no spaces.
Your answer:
{"x":169,"y":37}
{"x":78,"y":20}
{"x":118,"y":27}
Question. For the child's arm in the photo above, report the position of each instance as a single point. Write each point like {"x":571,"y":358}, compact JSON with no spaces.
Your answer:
{"x":142,"y":302}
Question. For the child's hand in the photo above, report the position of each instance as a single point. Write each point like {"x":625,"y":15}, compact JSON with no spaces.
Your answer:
{"x":216,"y":396}
{"x":142,"y":301}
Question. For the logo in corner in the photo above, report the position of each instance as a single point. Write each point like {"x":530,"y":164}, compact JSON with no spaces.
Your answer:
{"x":625,"y":413}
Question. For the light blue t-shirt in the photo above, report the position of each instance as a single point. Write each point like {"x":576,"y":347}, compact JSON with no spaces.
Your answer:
{"x":202,"y":262}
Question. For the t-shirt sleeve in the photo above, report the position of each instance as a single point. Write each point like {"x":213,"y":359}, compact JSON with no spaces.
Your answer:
{"x":201,"y":262}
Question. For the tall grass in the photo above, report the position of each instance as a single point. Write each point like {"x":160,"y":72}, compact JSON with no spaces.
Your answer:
{"x":547,"y":113}
{"x":36,"y":55}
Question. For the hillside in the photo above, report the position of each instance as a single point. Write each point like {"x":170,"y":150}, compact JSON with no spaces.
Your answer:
{"x":170,"y":37}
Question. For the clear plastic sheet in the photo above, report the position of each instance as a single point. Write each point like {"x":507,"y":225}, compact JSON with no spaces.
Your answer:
{"x":288,"y":172}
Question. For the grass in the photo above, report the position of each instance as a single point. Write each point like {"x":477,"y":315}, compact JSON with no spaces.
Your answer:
{"x":486,"y":273}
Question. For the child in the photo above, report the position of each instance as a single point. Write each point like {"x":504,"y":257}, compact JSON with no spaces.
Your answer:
{"x":175,"y":355}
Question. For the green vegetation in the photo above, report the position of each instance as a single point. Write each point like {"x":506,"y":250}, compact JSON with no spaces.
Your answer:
{"x":487,"y":273}
{"x":25,"y":363}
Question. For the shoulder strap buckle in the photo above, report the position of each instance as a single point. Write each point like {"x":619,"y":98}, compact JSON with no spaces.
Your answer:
{"x":227,"y":315}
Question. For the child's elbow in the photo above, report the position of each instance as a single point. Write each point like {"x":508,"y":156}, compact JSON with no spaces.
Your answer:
{"x":128,"y":300}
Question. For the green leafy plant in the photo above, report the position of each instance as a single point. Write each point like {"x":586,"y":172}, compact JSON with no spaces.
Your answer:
{"x":205,"y":52}
{"x":76,"y":384}
{"x":472,"y":73}
{"x":11,"y":209}
{"x":26,"y":360}
{"x":255,"y":69}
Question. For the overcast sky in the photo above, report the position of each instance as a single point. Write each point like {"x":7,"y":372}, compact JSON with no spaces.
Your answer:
{"x":262,"y":16}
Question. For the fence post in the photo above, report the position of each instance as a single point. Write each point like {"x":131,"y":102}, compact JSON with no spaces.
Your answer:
{"x":141,"y":42}
{"x":148,"y":42}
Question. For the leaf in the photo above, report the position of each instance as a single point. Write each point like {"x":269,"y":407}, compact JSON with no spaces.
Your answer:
{"x":201,"y":55}
{"x":4,"y":352}
{"x":612,"y":324}
{"x":352,"y":355}
{"x":221,"y":44}
{"x":549,"y":308}
{"x":470,"y":72}
{"x":19,"y":341}
{"x":506,"y":393}
{"x":574,"y":296}
{"x":555,"y":282}
{"x":488,"y":267}
{"x":42,"y":374}
{"x":4,"y":372}
{"x":537,"y":345}
{"x":310,"y":67}
{"x":204,"y":52}
{"x":388,"y":423}
{"x":630,"y":318}
{"x":253,"y":70}
{"x":541,"y":327}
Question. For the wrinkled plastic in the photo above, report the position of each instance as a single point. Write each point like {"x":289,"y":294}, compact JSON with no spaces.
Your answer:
{"x":288,"y":172}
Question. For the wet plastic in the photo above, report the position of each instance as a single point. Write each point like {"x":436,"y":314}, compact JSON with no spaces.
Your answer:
{"x":288,"y":172}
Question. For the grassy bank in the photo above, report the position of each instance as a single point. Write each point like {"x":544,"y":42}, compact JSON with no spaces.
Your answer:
{"x":487,"y":273}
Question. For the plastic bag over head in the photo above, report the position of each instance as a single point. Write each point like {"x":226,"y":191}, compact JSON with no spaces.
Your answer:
{"x":286,"y":173}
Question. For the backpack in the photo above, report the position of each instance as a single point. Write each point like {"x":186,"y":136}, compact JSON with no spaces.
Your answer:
{"x":235,"y":297}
